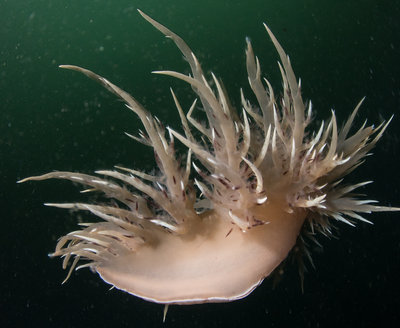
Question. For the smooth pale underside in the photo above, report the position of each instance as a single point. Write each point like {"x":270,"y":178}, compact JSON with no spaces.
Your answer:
{"x":218,"y":263}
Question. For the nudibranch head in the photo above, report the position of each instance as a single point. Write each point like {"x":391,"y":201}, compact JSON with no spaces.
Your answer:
{"x":259,"y":178}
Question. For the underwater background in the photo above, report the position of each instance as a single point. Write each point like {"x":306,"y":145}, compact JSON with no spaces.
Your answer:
{"x":55,"y":119}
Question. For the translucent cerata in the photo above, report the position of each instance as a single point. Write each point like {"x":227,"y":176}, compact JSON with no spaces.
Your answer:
{"x":220,"y":216}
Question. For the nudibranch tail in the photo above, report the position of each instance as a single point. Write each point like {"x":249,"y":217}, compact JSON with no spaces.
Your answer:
{"x":259,"y":179}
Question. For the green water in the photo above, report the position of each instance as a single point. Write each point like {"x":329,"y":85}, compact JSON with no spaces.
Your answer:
{"x":55,"y":119}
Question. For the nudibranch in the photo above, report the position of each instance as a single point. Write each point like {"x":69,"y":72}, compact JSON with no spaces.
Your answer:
{"x":217,"y":219}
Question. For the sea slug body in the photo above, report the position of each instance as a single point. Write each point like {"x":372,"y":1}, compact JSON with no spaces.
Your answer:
{"x":251,"y":185}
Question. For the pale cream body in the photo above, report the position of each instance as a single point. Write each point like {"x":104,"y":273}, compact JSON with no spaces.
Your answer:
{"x":215,"y":262}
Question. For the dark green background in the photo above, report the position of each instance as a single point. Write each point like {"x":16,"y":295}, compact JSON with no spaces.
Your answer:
{"x":53,"y":119}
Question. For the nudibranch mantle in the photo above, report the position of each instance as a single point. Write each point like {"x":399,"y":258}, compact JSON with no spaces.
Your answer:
{"x":261,"y":181}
